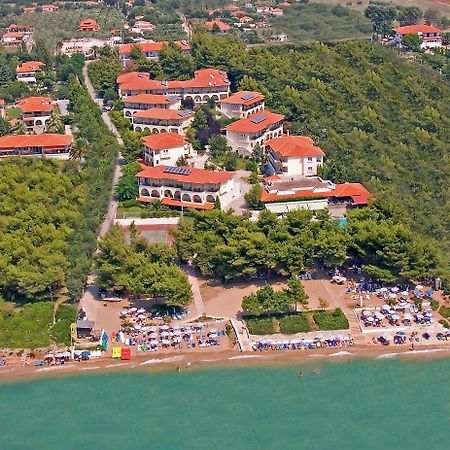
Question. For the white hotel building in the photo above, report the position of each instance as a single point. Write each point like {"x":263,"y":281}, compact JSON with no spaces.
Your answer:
{"x":165,"y":149}
{"x":242,"y":104}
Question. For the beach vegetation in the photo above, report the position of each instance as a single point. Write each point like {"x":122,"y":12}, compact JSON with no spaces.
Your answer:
{"x":261,"y":326}
{"x":444,"y":311}
{"x":294,"y":323}
{"x":331,"y":320}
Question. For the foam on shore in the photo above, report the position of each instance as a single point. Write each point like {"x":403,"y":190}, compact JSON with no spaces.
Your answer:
{"x":163,"y":360}
{"x":247,"y":357}
{"x":48,"y":369}
{"x":342,"y":353}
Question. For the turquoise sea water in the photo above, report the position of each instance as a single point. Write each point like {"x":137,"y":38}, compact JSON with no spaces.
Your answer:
{"x":362,"y":405}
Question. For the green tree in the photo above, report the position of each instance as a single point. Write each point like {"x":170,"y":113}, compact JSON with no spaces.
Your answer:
{"x":199,"y":122}
{"x":54,"y":124}
{"x":175,"y":64}
{"x":5,"y":128}
{"x":296,"y":291}
{"x":381,"y":18}
{"x":218,"y":145}
{"x":127,"y":187}
{"x":253,"y":197}
{"x":410,"y":15}
{"x":412,"y":42}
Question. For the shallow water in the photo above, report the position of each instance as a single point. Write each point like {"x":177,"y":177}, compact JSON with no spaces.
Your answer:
{"x":384,"y":404}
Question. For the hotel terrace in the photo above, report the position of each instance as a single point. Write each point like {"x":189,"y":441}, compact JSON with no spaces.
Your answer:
{"x":242,"y":104}
{"x":159,"y":120}
{"x":245,"y":134}
{"x":165,"y":149}
{"x":143,"y":102}
{"x":35,"y":112}
{"x":207,"y":84}
{"x":27,"y":71}
{"x":294,"y":155}
{"x":46,"y":145}
{"x":186,"y":187}
{"x":282,"y":194}
{"x":150,"y":50}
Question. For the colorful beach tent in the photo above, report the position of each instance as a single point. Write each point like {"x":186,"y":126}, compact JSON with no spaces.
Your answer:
{"x":116,"y":352}
{"x":126,"y":354}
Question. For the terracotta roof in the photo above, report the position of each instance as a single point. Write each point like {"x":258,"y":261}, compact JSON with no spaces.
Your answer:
{"x":159,"y":141}
{"x":295,"y":146}
{"x":31,"y":104}
{"x":173,"y":202}
{"x":243,"y":98}
{"x":356,"y":191}
{"x":164,"y":114}
{"x":221,"y":25}
{"x":196,"y":176}
{"x":29,"y":66}
{"x":134,"y":81}
{"x":414,"y":29}
{"x":88,"y":23}
{"x":151,"y":46}
{"x":13,"y":35}
{"x":255,"y":122}
{"x":151,"y":99}
{"x":2,"y":101}
{"x":35,"y":140}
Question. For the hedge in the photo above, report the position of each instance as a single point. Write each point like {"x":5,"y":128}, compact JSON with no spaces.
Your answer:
{"x":295,"y":323}
{"x":261,"y":326}
{"x":331,"y":320}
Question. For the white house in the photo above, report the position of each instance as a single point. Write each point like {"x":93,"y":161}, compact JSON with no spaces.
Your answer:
{"x":165,"y":149}
{"x":159,"y":120}
{"x":242,"y":104}
{"x":294,"y":155}
{"x":150,"y":50}
{"x":431,"y":36}
{"x":27,"y":71}
{"x":44,"y":145}
{"x":207,"y":84}
{"x":186,"y":187}
{"x":142,"y":26}
{"x":36,"y":111}
{"x":244,"y":134}
{"x":142,"y":102}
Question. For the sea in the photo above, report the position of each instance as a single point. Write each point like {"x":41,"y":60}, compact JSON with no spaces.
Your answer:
{"x":362,"y":404}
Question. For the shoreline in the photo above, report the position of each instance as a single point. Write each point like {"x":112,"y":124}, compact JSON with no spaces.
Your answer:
{"x":191,"y":362}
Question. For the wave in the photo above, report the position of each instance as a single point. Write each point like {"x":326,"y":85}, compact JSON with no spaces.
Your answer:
{"x":90,"y":368}
{"x":115,"y":365}
{"x":341,"y":353}
{"x":163,"y":360}
{"x":247,"y":357}
{"x":48,"y":369}
{"x":388,"y":355}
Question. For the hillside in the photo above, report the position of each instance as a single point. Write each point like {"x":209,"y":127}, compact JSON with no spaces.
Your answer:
{"x":321,"y":22}
{"x":381,"y":120}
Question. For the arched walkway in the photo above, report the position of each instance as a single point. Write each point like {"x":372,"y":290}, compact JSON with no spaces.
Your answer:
{"x":177,"y":195}
{"x":186,"y":198}
{"x":196,"y":199}
{"x":168,"y":194}
{"x":155,"y":193}
{"x":210,"y":199}
{"x":145,"y":193}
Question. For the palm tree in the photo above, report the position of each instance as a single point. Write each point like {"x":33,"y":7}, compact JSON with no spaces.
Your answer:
{"x":19,"y":127}
{"x":54,"y":124}
{"x":79,"y":148}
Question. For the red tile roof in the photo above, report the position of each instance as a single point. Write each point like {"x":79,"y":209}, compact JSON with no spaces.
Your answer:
{"x":295,"y":146}
{"x":159,"y":141}
{"x":356,"y":191}
{"x":29,"y":66}
{"x":151,"y":46}
{"x":31,"y":104}
{"x":135,"y":81}
{"x":2,"y":101}
{"x":196,"y":176}
{"x":151,"y":99}
{"x":35,"y":140}
{"x":221,"y":25}
{"x":255,"y":122}
{"x":164,"y":114}
{"x":243,"y":98}
{"x":414,"y":29}
{"x":173,"y":202}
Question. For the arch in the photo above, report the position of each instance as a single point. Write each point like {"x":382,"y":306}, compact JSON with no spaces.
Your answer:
{"x":145,"y":193}
{"x":155,"y":193}
{"x":196,"y":199}
{"x":137,"y":129}
{"x":155,"y":130}
{"x":186,"y":198}
{"x":177,"y":195}
{"x":127,"y":113}
{"x":210,"y":198}
{"x":215,"y":98}
{"x":197,"y":99}
{"x":188,"y":98}
{"x":174,"y":130}
{"x":38,"y":122}
{"x":205,"y":98}
{"x":168,"y":193}
{"x":163,"y":130}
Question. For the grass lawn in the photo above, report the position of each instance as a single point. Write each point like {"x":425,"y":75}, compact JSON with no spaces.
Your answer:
{"x":261,"y":325}
{"x":322,"y":22}
{"x":331,"y":320}
{"x":52,"y":28}
{"x":241,"y":162}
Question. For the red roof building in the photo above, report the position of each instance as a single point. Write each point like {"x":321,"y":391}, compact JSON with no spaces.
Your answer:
{"x":294,"y":155}
{"x":159,"y":120}
{"x":141,"y":102}
{"x":150,"y":50}
{"x":242,"y":104}
{"x":89,"y":25}
{"x":35,"y":145}
{"x":205,"y":85}
{"x":36,"y":111}
{"x":27,"y":71}
{"x":218,"y":24}
{"x":49,"y":8}
{"x":431,"y":36}
{"x":186,"y":187}
{"x":166,"y":149}
{"x":245,"y":134}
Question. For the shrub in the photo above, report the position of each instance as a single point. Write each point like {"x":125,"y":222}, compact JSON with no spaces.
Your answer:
{"x":294,"y":323}
{"x":434,"y":304}
{"x":331,"y":320}
{"x":444,"y":323}
{"x":444,"y":311}
{"x":261,"y":326}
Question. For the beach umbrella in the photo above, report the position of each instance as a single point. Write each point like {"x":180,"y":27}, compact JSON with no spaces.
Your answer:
{"x":392,"y":296}
{"x":419,"y":287}
{"x":386,"y":307}
{"x":428,"y":314}
{"x":367,"y":313}
{"x":165,"y":341}
{"x":141,"y":310}
{"x":383,"y":289}
{"x":395,"y":317}
{"x":153,"y":342}
{"x":137,"y":327}
{"x":153,"y":328}
{"x":85,"y":353}
{"x":164,"y":333}
{"x":142,"y":316}
{"x":404,"y":293}
{"x":395,"y":289}
{"x":213,"y":330}
{"x":124,"y":312}
{"x":132,"y":310}
{"x":153,"y":335}
{"x":379,"y":315}
{"x":370,"y":319}
{"x":419,"y":316}
{"x":164,"y":327}
{"x":407,"y":316}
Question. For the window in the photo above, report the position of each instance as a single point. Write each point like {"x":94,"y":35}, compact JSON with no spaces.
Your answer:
{"x":309,"y":158}
{"x":319,"y":159}
{"x":309,"y":169}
